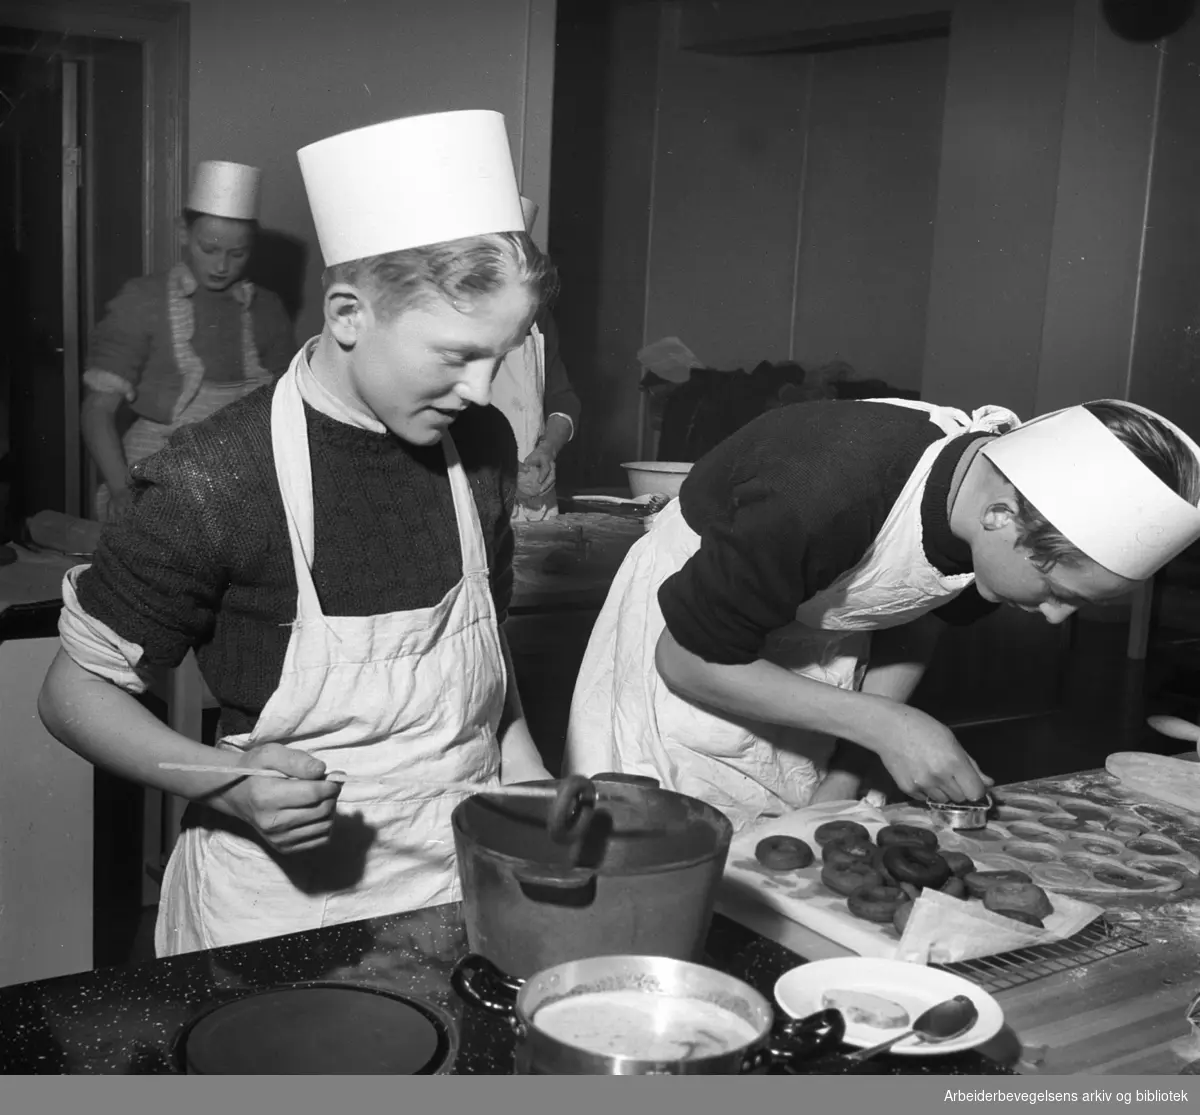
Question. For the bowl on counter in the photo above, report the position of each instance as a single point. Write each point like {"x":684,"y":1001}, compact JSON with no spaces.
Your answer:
{"x":656,"y":477}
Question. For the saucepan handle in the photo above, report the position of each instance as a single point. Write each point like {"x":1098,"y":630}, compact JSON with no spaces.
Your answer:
{"x":798,"y":1040}
{"x":477,"y":980}
{"x":570,"y":878}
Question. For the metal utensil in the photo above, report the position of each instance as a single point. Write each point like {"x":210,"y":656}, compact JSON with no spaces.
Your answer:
{"x":572,"y":801}
{"x":1176,"y":728}
{"x":514,"y":791}
{"x":962,"y":814}
{"x":944,"y":1021}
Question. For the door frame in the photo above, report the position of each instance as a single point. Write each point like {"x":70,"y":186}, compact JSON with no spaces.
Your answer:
{"x":161,"y":27}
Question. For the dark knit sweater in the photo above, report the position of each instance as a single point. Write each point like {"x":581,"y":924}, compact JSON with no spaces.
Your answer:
{"x":789,"y":503}
{"x":204,"y":561}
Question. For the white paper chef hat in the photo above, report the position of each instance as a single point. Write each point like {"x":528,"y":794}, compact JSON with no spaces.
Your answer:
{"x":411,"y":182}
{"x":1096,"y":493}
{"x":529,"y":210}
{"x":226,"y":190}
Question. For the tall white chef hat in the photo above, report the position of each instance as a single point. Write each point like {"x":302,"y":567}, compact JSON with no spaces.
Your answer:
{"x":226,"y":190}
{"x":1096,"y":493}
{"x":410,"y":182}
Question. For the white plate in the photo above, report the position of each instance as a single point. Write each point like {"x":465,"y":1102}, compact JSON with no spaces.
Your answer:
{"x":913,"y":986}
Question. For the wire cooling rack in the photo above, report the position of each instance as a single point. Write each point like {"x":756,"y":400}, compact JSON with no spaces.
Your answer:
{"x":1004,"y":971}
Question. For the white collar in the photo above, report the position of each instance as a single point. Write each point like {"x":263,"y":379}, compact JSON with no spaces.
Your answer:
{"x":320,"y":398}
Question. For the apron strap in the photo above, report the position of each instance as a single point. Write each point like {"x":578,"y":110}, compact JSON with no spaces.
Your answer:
{"x":293,"y":469}
{"x":470,"y":530}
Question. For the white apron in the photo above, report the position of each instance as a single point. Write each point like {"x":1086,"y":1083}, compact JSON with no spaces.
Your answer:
{"x":519,"y":393}
{"x":416,"y":693}
{"x":625,"y":718}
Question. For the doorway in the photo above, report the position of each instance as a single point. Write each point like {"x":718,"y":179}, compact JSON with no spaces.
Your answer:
{"x":93,"y":110}
{"x":71,"y":164}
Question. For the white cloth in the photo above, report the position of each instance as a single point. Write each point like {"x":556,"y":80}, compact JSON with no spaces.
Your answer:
{"x":624,"y":718}
{"x":94,"y":645}
{"x":519,"y":393}
{"x":417,"y":694}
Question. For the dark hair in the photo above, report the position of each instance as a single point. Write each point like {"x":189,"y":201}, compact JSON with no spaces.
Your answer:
{"x":458,"y":270}
{"x":191,"y":216}
{"x":1157,"y":446}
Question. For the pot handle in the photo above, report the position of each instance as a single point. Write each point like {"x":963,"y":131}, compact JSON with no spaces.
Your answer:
{"x":474,"y":969}
{"x":799,"y":1039}
{"x":628,"y":779}
{"x":571,"y":878}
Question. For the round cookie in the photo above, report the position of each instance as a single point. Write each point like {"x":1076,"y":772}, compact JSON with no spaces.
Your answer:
{"x":955,"y":887}
{"x":1022,"y":916}
{"x":910,"y":863}
{"x":978,"y":882}
{"x":845,"y":831}
{"x":891,"y":835}
{"x":839,"y":854}
{"x":846,"y":880}
{"x":1025,"y":898}
{"x":876,"y":903}
{"x":960,"y":863}
{"x":783,"y":853}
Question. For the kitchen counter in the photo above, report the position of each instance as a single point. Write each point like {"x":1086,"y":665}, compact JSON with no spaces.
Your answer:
{"x":124,"y":1020}
{"x":567,"y":563}
{"x":1122,"y":1013}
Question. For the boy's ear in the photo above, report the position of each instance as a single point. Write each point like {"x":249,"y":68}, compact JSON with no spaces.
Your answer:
{"x":346,"y":313}
{"x":999,"y":514}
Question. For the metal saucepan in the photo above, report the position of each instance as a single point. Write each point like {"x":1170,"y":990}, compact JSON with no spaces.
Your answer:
{"x":640,"y":880}
{"x":582,"y":1018}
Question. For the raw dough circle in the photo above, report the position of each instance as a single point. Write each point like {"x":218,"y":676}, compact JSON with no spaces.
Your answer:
{"x":1151,"y":846}
{"x":1035,"y":833}
{"x":1030,"y":853}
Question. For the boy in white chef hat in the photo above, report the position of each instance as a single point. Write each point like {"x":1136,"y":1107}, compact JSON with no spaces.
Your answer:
{"x":180,"y":345}
{"x":340,"y":559}
{"x":759,"y":645}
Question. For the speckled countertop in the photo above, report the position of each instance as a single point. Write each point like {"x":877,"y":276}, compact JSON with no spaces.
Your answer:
{"x":125,"y":1020}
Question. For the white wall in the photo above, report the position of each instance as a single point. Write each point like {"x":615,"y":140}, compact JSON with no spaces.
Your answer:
{"x":269,"y":76}
{"x":45,"y":831}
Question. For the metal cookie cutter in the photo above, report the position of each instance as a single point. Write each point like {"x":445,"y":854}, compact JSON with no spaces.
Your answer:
{"x":961,"y":814}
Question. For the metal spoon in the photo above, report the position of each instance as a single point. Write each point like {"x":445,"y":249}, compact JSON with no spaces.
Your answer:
{"x":944,"y":1021}
{"x":1176,"y":728}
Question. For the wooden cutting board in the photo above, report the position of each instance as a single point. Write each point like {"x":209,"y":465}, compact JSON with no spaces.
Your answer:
{"x":1175,"y":781}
